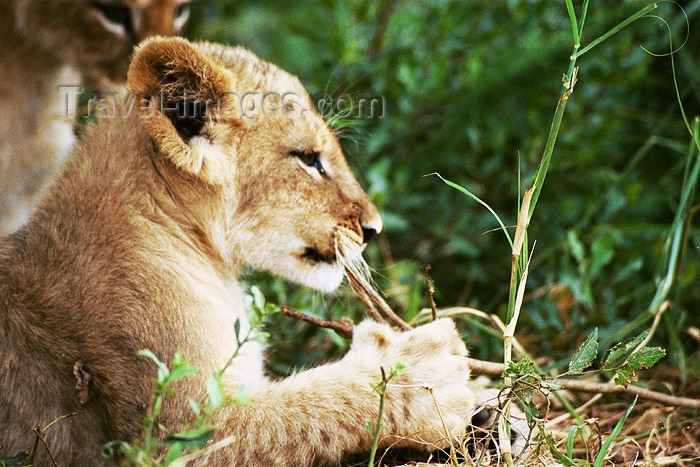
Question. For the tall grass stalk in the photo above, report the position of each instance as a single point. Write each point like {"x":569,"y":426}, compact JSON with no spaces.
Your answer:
{"x":520,"y":256}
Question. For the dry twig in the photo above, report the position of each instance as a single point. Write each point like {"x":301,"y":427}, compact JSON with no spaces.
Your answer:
{"x":37,"y":430}
{"x":343,"y":327}
{"x":367,"y":294}
{"x":494,"y":369}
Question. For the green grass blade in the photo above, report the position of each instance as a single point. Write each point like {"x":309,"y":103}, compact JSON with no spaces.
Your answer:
{"x":584,"y":10}
{"x":574,"y":23}
{"x":570,"y":439}
{"x":600,"y":458}
{"x":618,"y":28}
{"x":476,"y":198}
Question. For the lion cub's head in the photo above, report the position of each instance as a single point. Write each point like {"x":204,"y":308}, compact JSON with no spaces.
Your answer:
{"x":245,"y":133}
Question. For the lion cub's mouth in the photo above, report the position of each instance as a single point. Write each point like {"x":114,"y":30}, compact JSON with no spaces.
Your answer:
{"x":347,"y":244}
{"x":312,"y":255}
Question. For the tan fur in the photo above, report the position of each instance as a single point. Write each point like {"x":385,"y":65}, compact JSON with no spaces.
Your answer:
{"x":137,"y":246}
{"x":45,"y":44}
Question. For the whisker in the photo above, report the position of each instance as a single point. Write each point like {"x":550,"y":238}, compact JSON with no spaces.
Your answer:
{"x":358,"y":273}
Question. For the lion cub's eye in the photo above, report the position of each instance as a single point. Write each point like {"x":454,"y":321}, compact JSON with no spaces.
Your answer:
{"x":312,"y":159}
{"x":118,"y":14}
{"x":182,"y":13}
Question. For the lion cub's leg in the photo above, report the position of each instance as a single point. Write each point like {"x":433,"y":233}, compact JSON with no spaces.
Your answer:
{"x":321,"y":415}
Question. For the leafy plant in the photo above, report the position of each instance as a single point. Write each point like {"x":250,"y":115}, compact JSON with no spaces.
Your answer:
{"x":380,"y":389}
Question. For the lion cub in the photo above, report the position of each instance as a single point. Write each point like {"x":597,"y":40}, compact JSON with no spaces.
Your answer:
{"x":47,"y":48}
{"x":218,"y":158}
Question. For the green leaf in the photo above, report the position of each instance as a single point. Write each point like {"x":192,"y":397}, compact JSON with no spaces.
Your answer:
{"x":575,"y":246}
{"x":190,"y":439}
{"x":107,"y":450}
{"x":625,"y":375}
{"x":602,"y":252}
{"x":532,"y":413}
{"x":163,"y":370}
{"x":617,"y":28}
{"x":157,"y":404}
{"x":270,"y":308}
{"x":619,"y":353}
{"x":237,"y":329}
{"x":554,"y":449}
{"x":194,"y":406}
{"x":215,"y":389}
{"x":260,"y":336}
{"x":17,"y":459}
{"x":646,"y":357}
{"x":570,"y":439}
{"x":174,"y":453}
{"x":258,"y":298}
{"x":241,"y":396}
{"x":616,"y":431}
{"x":180,"y":371}
{"x":586,"y":354}
{"x":516,"y":369}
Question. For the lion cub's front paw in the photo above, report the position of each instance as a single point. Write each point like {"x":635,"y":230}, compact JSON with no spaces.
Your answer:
{"x":429,"y":400}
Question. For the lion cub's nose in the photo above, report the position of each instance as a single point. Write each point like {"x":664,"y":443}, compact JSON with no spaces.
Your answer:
{"x":371,"y":227}
{"x":368,"y":234}
{"x":370,"y":221}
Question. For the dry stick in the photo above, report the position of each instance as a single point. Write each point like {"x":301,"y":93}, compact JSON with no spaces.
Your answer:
{"x":343,"y":327}
{"x":491,"y":368}
{"x":363,"y":288}
{"x":453,"y":456}
{"x":37,"y":430}
{"x":369,"y":306}
{"x":610,"y":388}
{"x":486,"y":368}
{"x":431,"y":291}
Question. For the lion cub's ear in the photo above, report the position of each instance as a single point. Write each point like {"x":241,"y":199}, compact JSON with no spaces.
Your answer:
{"x":183,"y":86}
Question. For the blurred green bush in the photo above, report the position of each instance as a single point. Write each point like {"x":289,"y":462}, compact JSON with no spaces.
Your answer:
{"x":469,"y":90}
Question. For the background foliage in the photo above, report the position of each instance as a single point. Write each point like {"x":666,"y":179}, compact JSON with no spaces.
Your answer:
{"x":469,"y":90}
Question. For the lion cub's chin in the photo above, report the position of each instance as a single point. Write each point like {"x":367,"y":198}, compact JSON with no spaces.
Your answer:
{"x":325,"y":277}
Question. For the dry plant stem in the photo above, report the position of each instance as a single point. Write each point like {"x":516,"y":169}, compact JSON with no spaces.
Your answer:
{"x":496,"y":369}
{"x":37,"y":430}
{"x":453,"y":455}
{"x":203,"y":455}
{"x":509,"y":332}
{"x":486,"y":368}
{"x":431,"y":291}
{"x":611,"y":388}
{"x":657,"y":319}
{"x":491,"y":368}
{"x":363,"y":288}
{"x":344,"y":327}
{"x":369,"y":306}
